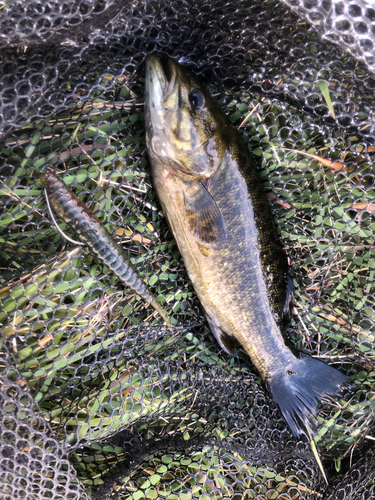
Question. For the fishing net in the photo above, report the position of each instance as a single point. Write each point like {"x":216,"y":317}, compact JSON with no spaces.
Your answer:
{"x":98,"y":398}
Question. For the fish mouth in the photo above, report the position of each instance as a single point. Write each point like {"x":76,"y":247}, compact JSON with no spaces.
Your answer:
{"x":161,"y":74}
{"x":154,"y":71}
{"x":166,"y":66}
{"x":155,"y":85}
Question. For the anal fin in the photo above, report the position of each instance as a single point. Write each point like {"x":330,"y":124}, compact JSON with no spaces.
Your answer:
{"x":226,"y":342}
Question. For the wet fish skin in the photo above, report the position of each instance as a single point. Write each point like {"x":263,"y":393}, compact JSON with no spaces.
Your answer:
{"x":214,"y":200}
{"x":93,"y":233}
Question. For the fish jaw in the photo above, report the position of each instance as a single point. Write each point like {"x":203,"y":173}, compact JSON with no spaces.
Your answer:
{"x":155,"y":87}
{"x":158,"y":89}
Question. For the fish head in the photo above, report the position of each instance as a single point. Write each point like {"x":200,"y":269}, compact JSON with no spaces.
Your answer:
{"x":185,"y":129}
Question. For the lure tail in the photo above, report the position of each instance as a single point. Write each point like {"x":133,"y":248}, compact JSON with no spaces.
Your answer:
{"x":300,"y":389}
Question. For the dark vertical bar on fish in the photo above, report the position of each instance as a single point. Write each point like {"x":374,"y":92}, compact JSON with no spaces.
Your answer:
{"x":92,"y":233}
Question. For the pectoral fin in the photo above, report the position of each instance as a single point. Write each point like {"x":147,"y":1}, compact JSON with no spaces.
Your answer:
{"x":205,"y":220}
{"x":226,"y":342}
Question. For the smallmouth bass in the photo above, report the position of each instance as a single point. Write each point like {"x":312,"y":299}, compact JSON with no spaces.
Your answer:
{"x":214,"y":200}
{"x":99,"y":240}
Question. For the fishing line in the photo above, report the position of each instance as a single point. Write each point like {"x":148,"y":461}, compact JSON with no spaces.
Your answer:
{"x":57,"y":227}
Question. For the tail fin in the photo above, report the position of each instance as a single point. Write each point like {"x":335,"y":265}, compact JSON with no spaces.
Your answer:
{"x":301,"y":387}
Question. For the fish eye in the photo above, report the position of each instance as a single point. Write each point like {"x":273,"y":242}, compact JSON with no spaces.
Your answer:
{"x":196,"y":99}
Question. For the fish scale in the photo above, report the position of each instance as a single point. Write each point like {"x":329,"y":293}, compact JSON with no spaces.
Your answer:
{"x":250,"y":309}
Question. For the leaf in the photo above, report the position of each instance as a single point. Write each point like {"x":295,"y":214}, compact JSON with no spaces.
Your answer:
{"x":325,"y":92}
{"x":317,"y":458}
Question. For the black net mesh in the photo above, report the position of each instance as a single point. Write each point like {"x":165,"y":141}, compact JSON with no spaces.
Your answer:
{"x":33,"y":463}
{"x":99,"y":397}
{"x":351,"y":24}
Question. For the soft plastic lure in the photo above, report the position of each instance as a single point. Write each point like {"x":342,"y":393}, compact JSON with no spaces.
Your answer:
{"x":93,"y":234}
